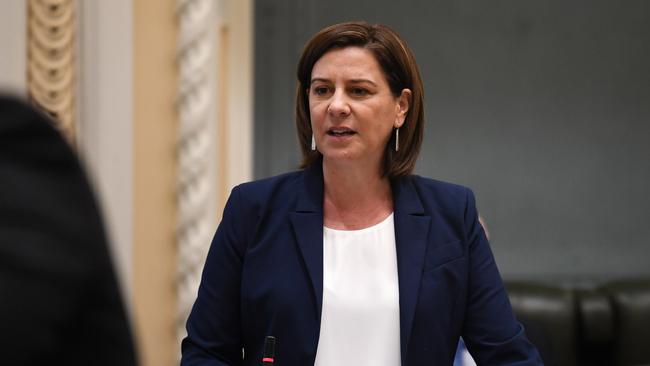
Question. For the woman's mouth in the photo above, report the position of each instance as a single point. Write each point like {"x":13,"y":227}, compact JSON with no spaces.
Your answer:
{"x":339,"y":132}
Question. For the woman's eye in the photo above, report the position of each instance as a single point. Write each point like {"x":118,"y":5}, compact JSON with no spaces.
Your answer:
{"x":320,"y":90}
{"x":359,"y":91}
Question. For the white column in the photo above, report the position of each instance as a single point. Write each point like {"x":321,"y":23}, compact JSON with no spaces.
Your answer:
{"x":215,"y":119}
{"x":197,"y":147}
{"x":105,"y":119}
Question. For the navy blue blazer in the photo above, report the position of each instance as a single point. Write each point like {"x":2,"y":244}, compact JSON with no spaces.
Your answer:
{"x":264,"y":276}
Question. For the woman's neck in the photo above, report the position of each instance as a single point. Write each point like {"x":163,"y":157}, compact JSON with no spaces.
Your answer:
{"x":355,"y":197}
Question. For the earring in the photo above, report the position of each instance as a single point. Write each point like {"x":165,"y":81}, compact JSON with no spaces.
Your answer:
{"x":397,"y":139}
{"x":313,"y":142}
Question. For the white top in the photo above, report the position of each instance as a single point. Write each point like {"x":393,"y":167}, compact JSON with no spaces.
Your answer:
{"x":360,"y":319}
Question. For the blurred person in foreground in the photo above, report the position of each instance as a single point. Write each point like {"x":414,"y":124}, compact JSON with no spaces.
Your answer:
{"x":59,"y":299}
{"x":353,"y":260}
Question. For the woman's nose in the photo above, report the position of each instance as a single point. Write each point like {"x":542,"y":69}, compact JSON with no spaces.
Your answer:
{"x":339,"y":105}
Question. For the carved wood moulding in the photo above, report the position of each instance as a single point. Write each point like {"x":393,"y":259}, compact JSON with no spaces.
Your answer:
{"x":51,"y":60}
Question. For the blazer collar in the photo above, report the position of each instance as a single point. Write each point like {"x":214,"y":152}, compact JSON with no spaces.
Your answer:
{"x":307,"y":224}
{"x":310,"y":192}
{"x":411,"y":232}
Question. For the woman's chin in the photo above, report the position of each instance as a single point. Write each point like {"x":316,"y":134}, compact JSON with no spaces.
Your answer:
{"x":345,"y":157}
{"x":339,"y":156}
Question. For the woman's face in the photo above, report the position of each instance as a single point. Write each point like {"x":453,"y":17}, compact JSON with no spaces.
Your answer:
{"x":352,"y":109}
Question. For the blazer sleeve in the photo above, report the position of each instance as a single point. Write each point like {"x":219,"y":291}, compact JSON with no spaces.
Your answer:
{"x":214,"y":336}
{"x":492,"y":333}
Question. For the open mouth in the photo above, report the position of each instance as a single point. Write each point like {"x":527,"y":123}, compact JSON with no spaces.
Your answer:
{"x":340,"y":132}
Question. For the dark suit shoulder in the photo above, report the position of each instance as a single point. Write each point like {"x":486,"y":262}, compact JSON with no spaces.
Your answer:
{"x":439,"y":186}
{"x":443,"y":195}
{"x":269,"y":184}
{"x":270,"y":194}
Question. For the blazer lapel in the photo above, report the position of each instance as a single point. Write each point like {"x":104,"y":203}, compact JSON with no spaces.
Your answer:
{"x":307,"y":224}
{"x":411,"y":231}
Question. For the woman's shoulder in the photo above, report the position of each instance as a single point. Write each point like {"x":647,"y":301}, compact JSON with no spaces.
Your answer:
{"x":270,"y":191}
{"x":270,"y":183}
{"x":437,"y":184}
{"x":442,"y":195}
{"x":437,"y":187}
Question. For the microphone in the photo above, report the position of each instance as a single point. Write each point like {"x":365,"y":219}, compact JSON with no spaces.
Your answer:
{"x":269,"y":350}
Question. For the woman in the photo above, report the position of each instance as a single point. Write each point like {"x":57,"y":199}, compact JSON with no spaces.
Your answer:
{"x":353,"y":260}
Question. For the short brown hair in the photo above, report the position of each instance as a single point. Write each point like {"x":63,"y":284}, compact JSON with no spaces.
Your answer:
{"x":401,"y":72}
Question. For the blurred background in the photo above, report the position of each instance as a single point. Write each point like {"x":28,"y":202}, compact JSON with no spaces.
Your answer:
{"x":541,"y":107}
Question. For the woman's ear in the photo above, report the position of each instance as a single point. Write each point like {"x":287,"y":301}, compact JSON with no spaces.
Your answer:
{"x":403,"y":104}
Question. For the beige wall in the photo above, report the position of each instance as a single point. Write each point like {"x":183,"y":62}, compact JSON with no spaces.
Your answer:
{"x":154,"y":137}
{"x":13,"y":45}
